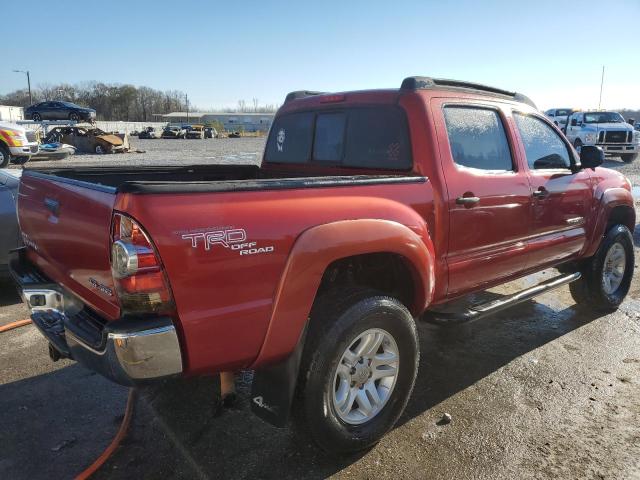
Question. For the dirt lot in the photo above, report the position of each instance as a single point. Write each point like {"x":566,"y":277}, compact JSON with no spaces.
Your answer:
{"x":543,"y":390}
{"x":175,"y":152}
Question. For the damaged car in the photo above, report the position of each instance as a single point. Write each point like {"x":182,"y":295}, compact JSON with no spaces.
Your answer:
{"x":88,"y":139}
{"x":150,"y":132}
{"x":174,"y":131}
{"x":196,"y":131}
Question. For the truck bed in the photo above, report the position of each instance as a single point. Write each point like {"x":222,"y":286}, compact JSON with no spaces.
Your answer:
{"x":208,"y":178}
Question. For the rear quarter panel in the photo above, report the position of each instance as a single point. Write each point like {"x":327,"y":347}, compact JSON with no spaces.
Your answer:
{"x":225,"y":300}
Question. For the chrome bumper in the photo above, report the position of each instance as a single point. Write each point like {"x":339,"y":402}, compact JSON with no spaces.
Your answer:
{"x":129,"y":351}
{"x":617,"y":149}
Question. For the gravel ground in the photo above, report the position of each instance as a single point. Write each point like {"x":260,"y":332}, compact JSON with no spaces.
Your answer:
{"x":543,"y":390}
{"x":173,"y":152}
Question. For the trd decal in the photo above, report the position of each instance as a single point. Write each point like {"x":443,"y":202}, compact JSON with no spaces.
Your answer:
{"x":232,"y":239}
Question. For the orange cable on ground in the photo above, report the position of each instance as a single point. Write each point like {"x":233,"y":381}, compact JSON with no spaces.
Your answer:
{"x":124,"y":426}
{"x":11,"y":326}
{"x":122,"y":431}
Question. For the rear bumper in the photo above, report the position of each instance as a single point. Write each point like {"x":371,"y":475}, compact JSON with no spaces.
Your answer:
{"x":26,"y":150}
{"x":129,"y":351}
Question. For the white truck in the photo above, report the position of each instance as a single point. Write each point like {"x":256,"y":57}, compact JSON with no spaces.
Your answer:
{"x":16,"y":144}
{"x":604,"y":129}
{"x":559,"y":116}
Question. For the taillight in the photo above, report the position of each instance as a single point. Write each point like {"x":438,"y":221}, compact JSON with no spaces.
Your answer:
{"x":141,"y":284}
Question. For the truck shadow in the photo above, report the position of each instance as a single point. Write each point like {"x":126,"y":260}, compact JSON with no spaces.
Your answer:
{"x":238,"y":445}
{"x":8,"y":294}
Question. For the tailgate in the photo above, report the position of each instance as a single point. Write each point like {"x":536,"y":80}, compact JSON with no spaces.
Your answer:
{"x":66,"y":225}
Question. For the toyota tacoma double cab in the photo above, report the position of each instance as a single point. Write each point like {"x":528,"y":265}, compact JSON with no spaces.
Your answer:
{"x":371,"y":210}
{"x":607,"y":130}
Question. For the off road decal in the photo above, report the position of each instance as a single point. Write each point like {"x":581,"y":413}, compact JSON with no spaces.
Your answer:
{"x":234,"y":239}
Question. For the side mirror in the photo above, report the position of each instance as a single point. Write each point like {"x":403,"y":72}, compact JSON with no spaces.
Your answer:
{"x":591,"y":157}
{"x":574,"y":122}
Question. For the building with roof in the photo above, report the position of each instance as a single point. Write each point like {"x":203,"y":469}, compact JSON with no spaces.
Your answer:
{"x":248,"y":122}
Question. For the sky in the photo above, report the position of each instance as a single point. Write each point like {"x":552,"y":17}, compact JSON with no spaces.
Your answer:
{"x":220,"y":52}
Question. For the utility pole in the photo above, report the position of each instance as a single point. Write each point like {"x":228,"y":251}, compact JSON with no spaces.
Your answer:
{"x":28,"y":83}
{"x":601,"y":83}
{"x":186,"y":99}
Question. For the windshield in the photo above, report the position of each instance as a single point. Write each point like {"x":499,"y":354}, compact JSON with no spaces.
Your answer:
{"x":603,"y":117}
{"x":563,"y":112}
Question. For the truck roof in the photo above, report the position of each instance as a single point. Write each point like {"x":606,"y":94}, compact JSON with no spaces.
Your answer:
{"x":421,"y":83}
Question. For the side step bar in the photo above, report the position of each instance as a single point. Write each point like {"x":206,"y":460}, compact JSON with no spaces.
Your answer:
{"x":479,"y":311}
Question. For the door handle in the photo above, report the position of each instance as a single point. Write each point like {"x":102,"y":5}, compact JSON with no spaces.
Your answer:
{"x":467,"y":201}
{"x":541,"y":192}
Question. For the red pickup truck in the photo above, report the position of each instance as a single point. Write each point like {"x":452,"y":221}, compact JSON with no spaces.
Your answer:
{"x":371,"y":210}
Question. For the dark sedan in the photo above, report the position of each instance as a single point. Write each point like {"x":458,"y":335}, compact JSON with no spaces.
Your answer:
{"x":59,"y":111}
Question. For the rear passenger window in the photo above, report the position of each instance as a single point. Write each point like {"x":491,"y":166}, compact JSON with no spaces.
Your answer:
{"x":378,"y":138}
{"x":477,"y":138}
{"x":328,"y":144}
{"x":543,"y":146}
{"x":365,"y":137}
{"x":290,"y":138}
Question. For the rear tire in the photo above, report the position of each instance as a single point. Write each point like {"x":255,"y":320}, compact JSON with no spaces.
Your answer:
{"x":346,"y":327}
{"x":628,"y":157}
{"x":606,"y":277}
{"x":5,"y":156}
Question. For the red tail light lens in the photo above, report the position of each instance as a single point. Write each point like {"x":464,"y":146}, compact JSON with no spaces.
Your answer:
{"x":141,"y":284}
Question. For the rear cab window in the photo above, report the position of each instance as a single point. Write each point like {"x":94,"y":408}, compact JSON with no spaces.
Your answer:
{"x":374,"y":137}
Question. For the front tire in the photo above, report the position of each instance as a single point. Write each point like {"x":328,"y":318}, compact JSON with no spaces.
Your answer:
{"x":36,"y":117}
{"x":358,"y":369}
{"x":606,"y":277}
{"x":74,"y":117}
{"x":628,"y":157}
{"x":5,"y":156}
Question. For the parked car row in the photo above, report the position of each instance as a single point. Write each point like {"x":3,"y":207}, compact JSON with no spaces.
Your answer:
{"x":177,"y":131}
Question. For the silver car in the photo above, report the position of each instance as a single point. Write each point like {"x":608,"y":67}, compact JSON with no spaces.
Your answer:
{"x":9,"y":231}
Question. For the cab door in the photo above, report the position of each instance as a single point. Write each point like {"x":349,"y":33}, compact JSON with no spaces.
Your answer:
{"x":574,"y":125}
{"x":488,"y":195}
{"x":561,"y":195}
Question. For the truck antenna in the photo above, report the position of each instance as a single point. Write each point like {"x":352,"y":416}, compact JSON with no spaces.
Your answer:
{"x":601,"y":83}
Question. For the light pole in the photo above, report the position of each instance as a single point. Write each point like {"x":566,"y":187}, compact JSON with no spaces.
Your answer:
{"x":26,"y":72}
